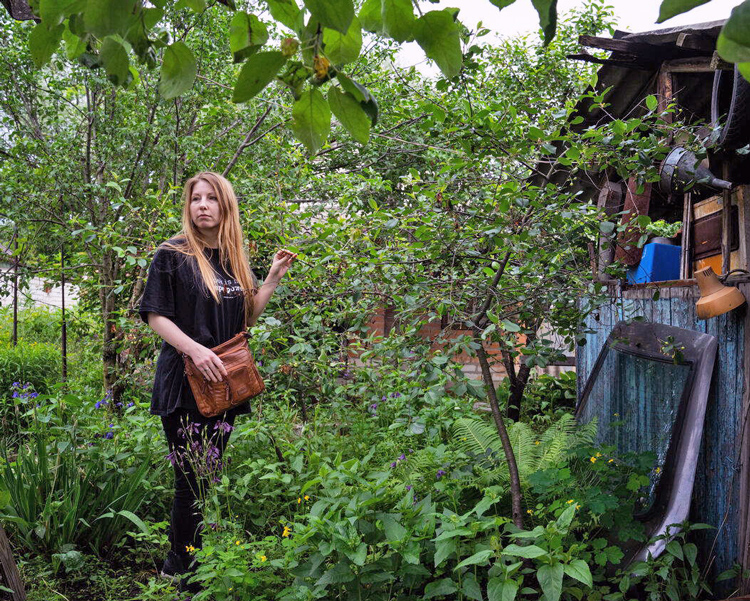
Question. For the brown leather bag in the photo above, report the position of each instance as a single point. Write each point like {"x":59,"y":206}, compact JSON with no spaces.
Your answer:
{"x":243,"y":381}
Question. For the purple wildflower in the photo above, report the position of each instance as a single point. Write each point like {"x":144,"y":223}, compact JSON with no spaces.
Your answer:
{"x":393,"y":464}
{"x":130,"y":404}
{"x":440,"y":474}
{"x":173,"y":457}
{"x":224,"y":426}
{"x":109,"y":435}
{"x":408,"y":487}
{"x":402,"y":457}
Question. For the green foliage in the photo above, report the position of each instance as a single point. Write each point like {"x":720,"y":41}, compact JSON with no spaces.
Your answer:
{"x":29,"y":362}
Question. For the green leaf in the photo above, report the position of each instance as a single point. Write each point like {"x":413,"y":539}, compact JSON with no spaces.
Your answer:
{"x":547,"y":10}
{"x":343,"y":48}
{"x":734,"y":40}
{"x":674,"y":548}
{"x":744,"y":70}
{"x":285,"y":12}
{"x":350,"y":113}
{"x":499,"y":589}
{"x":509,"y":326}
{"x":74,"y":46}
{"x":579,"y":570}
{"x":311,"y":119}
{"x":446,"y":586}
{"x":529,"y":552}
{"x":563,"y":522}
{"x":138,"y":522}
{"x":398,"y":19}
{"x":438,"y":35}
{"x":256,"y":74}
{"x":550,"y":578}
{"x":478,"y":558}
{"x":651,"y":102}
{"x":177,"y":70}
{"x":691,"y":552}
{"x":53,"y":12}
{"x":371,"y":16}
{"x":444,"y":549}
{"x":43,"y":42}
{"x":359,"y":555}
{"x":115,"y":60}
{"x":354,"y":88}
{"x":197,"y":6}
{"x":501,"y":4}
{"x":335,"y":14}
{"x":106,"y":17}
{"x":672,"y":8}
{"x":394,"y":531}
{"x":470,"y":587}
{"x":247,"y":34}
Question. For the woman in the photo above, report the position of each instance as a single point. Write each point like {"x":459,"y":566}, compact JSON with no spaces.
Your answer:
{"x":200,"y":292}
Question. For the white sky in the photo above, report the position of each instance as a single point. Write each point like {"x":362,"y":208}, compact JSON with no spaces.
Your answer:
{"x":520,"y":17}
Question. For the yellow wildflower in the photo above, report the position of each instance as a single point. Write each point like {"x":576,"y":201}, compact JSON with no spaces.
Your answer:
{"x":529,"y":512}
{"x":598,"y":454}
{"x":536,"y":442}
{"x":306,"y":497}
{"x":263,"y":558}
{"x":287,"y":532}
{"x":236,"y":542}
{"x":658,"y":470}
{"x":593,"y":460}
{"x":190,"y":549}
{"x":611,"y":461}
{"x":571,"y":501}
{"x":299,"y":500}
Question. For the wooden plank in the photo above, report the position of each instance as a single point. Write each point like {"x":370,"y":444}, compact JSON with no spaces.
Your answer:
{"x":687,"y":220}
{"x":635,"y":204}
{"x":744,"y":445}
{"x":10,"y":576}
{"x":726,"y":224}
{"x":643,"y":50}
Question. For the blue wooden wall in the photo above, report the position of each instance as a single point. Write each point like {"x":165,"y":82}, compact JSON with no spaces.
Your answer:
{"x":716,"y":496}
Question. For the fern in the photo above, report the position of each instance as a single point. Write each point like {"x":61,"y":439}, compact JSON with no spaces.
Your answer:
{"x":532,"y":452}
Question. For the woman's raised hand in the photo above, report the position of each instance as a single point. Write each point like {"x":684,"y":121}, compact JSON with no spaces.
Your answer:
{"x":208,"y":363}
{"x":281,"y":263}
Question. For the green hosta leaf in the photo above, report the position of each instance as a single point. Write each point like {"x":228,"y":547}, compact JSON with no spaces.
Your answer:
{"x":177,"y":71}
{"x":478,"y":558}
{"x":335,"y":14}
{"x":371,"y":16}
{"x":43,"y":42}
{"x":115,"y":60}
{"x":247,"y":34}
{"x":734,"y":40}
{"x":550,"y":578}
{"x":547,"y":10}
{"x":311,"y":119}
{"x":350,"y":113}
{"x":446,"y":586}
{"x":579,"y":570}
{"x":529,"y":552}
{"x":105,"y":17}
{"x":672,"y":8}
{"x":343,"y":48}
{"x":284,"y":11}
{"x":256,"y":74}
{"x":438,"y":35}
{"x":53,"y":12}
{"x":502,"y":3}
{"x":398,"y":19}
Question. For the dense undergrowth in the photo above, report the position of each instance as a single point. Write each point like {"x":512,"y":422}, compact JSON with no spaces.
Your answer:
{"x":392,"y":486}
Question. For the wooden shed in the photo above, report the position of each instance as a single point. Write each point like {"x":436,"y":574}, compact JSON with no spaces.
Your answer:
{"x":680,"y":66}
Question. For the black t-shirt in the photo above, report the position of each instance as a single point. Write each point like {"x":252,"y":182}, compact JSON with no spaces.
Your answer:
{"x":174,"y":289}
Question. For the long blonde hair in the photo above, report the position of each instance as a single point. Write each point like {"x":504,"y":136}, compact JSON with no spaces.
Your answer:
{"x":232,"y":255}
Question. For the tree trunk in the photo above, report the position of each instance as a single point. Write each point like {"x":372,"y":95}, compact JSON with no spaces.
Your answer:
{"x":515,"y":481}
{"x":10,"y":578}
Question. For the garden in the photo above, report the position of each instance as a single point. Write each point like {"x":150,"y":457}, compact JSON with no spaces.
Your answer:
{"x":372,"y":467}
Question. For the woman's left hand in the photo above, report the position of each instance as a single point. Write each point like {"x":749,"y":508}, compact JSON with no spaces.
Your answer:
{"x":281,"y":263}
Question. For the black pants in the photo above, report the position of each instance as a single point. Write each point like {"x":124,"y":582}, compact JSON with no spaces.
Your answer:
{"x":196,"y":448}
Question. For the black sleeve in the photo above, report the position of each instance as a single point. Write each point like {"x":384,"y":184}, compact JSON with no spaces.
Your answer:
{"x":159,"y":295}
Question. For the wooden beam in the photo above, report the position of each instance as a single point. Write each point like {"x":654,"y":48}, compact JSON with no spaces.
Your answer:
{"x":627,"y":63}
{"x":700,"y":64}
{"x":654,"y":52}
{"x":696,"y":41}
{"x":8,"y":570}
